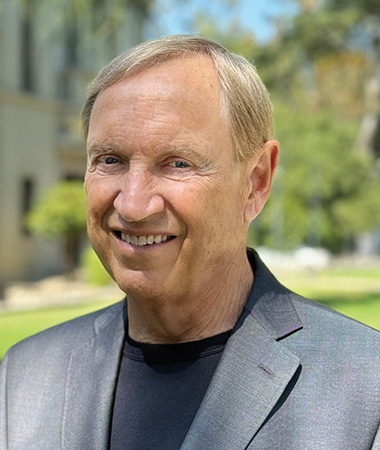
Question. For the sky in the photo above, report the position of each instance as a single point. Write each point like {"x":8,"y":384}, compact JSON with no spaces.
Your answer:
{"x":174,"y":17}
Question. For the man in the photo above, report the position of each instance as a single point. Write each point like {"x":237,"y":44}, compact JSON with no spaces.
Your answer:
{"x":208,"y":351}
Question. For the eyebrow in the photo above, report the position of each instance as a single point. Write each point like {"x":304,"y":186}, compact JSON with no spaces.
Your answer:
{"x":183,"y":151}
{"x":189,"y":153}
{"x":99,"y":149}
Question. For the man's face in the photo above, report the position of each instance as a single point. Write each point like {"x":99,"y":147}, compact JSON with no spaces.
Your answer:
{"x":165,"y":194}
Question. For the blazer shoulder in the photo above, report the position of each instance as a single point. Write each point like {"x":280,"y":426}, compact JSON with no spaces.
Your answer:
{"x":286,"y":314}
{"x":336,"y":332}
{"x":318,"y":312}
{"x":64,"y":337}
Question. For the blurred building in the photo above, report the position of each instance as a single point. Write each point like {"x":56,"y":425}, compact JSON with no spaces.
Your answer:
{"x":46,"y":61}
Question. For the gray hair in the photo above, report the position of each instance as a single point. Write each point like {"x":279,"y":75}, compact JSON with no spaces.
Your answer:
{"x":244,"y":98}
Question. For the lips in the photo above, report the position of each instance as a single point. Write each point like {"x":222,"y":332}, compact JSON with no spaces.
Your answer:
{"x":144,"y":240}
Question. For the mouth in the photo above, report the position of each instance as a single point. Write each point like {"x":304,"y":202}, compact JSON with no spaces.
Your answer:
{"x":140,"y":241}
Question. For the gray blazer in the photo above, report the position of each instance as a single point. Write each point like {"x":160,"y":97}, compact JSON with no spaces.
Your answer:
{"x":294,"y":375}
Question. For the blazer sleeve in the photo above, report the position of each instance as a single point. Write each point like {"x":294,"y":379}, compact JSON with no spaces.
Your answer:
{"x":3,"y":404}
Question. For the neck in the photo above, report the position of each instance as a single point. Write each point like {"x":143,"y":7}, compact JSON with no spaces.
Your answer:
{"x":205,"y":312}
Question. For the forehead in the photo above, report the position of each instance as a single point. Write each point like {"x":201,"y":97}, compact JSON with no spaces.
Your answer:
{"x":191,"y":78}
{"x":183,"y":92}
{"x":195,"y":73}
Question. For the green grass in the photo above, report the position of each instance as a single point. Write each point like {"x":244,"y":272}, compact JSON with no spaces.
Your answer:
{"x":353,"y":292}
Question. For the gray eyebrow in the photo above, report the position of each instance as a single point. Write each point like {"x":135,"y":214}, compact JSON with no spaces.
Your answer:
{"x":98,"y":149}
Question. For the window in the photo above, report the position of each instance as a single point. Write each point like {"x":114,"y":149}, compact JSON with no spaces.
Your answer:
{"x":27,"y":191}
{"x":27,"y":81}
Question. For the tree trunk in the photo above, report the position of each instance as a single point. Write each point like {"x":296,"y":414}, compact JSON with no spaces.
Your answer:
{"x":70,"y":253}
{"x":370,"y":124}
{"x":369,"y":127}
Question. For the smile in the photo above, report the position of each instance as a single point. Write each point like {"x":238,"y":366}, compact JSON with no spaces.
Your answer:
{"x":144,"y":240}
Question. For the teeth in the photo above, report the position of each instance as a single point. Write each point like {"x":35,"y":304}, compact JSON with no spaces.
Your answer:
{"x":144,"y":240}
{"x":126,"y":238}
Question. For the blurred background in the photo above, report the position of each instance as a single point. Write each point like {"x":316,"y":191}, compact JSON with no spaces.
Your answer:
{"x":320,"y":60}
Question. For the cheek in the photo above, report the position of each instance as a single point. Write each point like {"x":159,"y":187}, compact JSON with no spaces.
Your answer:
{"x":100,"y":196}
{"x":209,"y":210}
{"x":197,"y":203}
{"x":228,"y":218}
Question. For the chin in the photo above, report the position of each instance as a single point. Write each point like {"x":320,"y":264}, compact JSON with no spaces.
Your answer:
{"x":136,"y":282}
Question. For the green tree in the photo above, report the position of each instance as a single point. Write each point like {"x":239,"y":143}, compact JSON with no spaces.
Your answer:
{"x":61,"y":213}
{"x":324,"y":193}
{"x":323,"y":70}
{"x":335,"y":29}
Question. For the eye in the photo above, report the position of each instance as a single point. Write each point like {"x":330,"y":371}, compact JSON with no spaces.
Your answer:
{"x":179,"y":164}
{"x":109,"y":160}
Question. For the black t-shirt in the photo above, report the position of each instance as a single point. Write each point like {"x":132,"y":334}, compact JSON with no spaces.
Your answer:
{"x":159,"y":391}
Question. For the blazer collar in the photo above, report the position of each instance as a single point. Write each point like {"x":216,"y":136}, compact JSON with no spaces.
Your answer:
{"x":270,"y":302}
{"x":255,"y":370}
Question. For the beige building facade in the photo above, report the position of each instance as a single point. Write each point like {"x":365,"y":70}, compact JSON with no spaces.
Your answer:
{"x":44,"y":69}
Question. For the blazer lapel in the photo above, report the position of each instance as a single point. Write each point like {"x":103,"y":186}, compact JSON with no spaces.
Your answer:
{"x":88,"y":402}
{"x":253,"y":373}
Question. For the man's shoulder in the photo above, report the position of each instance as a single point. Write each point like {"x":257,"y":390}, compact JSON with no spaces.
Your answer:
{"x":67,"y":335}
{"x":334,"y":332}
{"x":313,"y":312}
{"x":314,"y":320}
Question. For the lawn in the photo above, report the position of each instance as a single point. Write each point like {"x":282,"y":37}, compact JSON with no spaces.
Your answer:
{"x":355,"y":293}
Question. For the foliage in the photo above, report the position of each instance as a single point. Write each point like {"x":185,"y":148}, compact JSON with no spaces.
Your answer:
{"x":93,"y":269}
{"x":325,"y":193}
{"x":323,"y":69}
{"x":61,"y":211}
{"x":328,"y":40}
{"x":233,"y":36}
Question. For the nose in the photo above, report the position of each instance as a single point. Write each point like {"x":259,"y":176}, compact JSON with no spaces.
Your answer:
{"x":138,"y":197}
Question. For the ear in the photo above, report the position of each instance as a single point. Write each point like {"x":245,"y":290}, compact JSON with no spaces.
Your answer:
{"x":261,"y":176}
